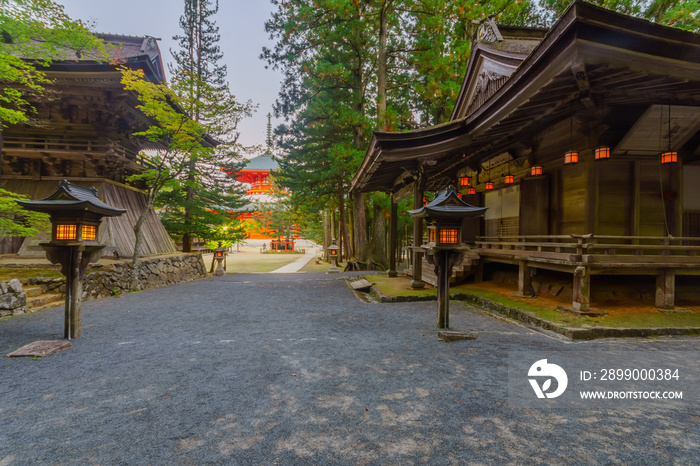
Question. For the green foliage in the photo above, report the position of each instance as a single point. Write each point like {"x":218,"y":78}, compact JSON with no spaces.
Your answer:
{"x":212,"y":245}
{"x":16,"y":221}
{"x":278,"y":216}
{"x":683,"y":14}
{"x":33,"y":33}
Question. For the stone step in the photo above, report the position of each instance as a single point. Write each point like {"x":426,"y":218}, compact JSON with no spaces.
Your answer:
{"x":58,"y":303}
{"x":37,"y":301}
{"x":33,"y":291}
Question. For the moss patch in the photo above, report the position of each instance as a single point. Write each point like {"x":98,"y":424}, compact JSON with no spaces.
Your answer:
{"x":312,"y":266}
{"x":622,"y":314}
{"x":398,"y":287}
{"x":8,"y":273}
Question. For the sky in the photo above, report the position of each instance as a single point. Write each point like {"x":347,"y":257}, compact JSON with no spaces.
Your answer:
{"x":241,"y":25}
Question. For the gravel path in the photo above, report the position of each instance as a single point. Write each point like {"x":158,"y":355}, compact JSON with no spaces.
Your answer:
{"x":294,"y":369}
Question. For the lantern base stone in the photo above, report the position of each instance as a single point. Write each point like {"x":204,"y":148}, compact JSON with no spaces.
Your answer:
{"x":452,"y":335}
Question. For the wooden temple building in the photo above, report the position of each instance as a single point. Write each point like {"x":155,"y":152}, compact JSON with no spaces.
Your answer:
{"x":582,"y":140}
{"x":84,"y":133}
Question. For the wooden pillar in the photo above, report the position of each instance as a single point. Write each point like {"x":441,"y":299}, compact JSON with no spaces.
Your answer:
{"x":665,"y":288}
{"x":523,"y":279}
{"x":676,"y":214}
{"x":637,"y":193}
{"x":582,"y":289}
{"x":392,"y":237}
{"x":591,"y":212}
{"x":443,"y":272}
{"x":478,"y":270}
{"x":417,"y":281}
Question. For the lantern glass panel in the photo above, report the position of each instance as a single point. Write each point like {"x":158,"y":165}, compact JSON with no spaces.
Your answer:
{"x":471,"y":191}
{"x":571,"y":157}
{"x":602,"y":153}
{"x":431,"y":235}
{"x":465,"y":181}
{"x":89,"y":232}
{"x":669,"y":157}
{"x":449,"y":235}
{"x":66,"y":232}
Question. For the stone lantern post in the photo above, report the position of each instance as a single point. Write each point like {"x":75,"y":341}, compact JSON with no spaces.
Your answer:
{"x":444,"y":248}
{"x":76,"y":213}
{"x":333,"y":251}
{"x":219,"y":255}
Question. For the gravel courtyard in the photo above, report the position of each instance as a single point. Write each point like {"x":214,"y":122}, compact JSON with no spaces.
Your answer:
{"x":294,"y":369}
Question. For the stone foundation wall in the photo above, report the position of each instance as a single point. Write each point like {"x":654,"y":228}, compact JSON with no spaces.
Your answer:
{"x":110,"y":279}
{"x":13,"y":299}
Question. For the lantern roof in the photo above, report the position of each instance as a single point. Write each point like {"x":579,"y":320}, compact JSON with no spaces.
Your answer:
{"x":71,"y":197}
{"x":447,"y":204}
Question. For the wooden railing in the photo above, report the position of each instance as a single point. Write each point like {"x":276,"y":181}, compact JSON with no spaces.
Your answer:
{"x":605,"y":251}
{"x":87,"y":146}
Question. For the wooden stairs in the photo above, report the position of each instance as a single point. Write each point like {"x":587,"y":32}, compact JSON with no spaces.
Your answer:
{"x":460,"y":272}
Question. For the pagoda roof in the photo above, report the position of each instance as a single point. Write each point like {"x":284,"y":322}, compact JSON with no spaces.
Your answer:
{"x":447,"y":204}
{"x":71,"y":197}
{"x":262,"y":163}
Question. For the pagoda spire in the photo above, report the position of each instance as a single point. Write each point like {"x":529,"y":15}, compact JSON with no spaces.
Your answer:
{"x":269,"y":134}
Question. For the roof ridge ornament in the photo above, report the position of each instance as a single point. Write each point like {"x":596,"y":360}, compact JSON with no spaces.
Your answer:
{"x":488,"y":31}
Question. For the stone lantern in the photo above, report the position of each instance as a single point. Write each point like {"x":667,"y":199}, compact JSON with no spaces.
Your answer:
{"x":333,"y":252}
{"x":76,"y":213}
{"x":444,"y":248}
{"x":219,"y":255}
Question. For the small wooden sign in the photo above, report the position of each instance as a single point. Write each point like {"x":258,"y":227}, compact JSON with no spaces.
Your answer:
{"x":41,"y":348}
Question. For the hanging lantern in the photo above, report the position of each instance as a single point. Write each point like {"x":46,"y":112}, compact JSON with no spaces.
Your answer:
{"x":536,"y":170}
{"x":669,"y":157}
{"x":489,"y":185}
{"x":509,"y":179}
{"x":571,"y":158}
{"x":471,"y":191}
{"x":602,"y":153}
{"x":465,"y":181}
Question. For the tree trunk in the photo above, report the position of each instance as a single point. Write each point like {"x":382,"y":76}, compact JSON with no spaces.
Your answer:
{"x":343,"y":223}
{"x":382,"y":68}
{"x":189,"y":209}
{"x":379,"y":236}
{"x":360,"y":227}
{"x":326,"y":234}
{"x":0,"y":153}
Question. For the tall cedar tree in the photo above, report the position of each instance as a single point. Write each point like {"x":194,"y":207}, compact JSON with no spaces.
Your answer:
{"x":200,"y":80}
{"x":351,"y":67}
{"x":175,"y":133}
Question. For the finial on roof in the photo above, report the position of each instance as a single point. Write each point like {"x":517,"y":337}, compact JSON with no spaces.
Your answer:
{"x":269,"y":134}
